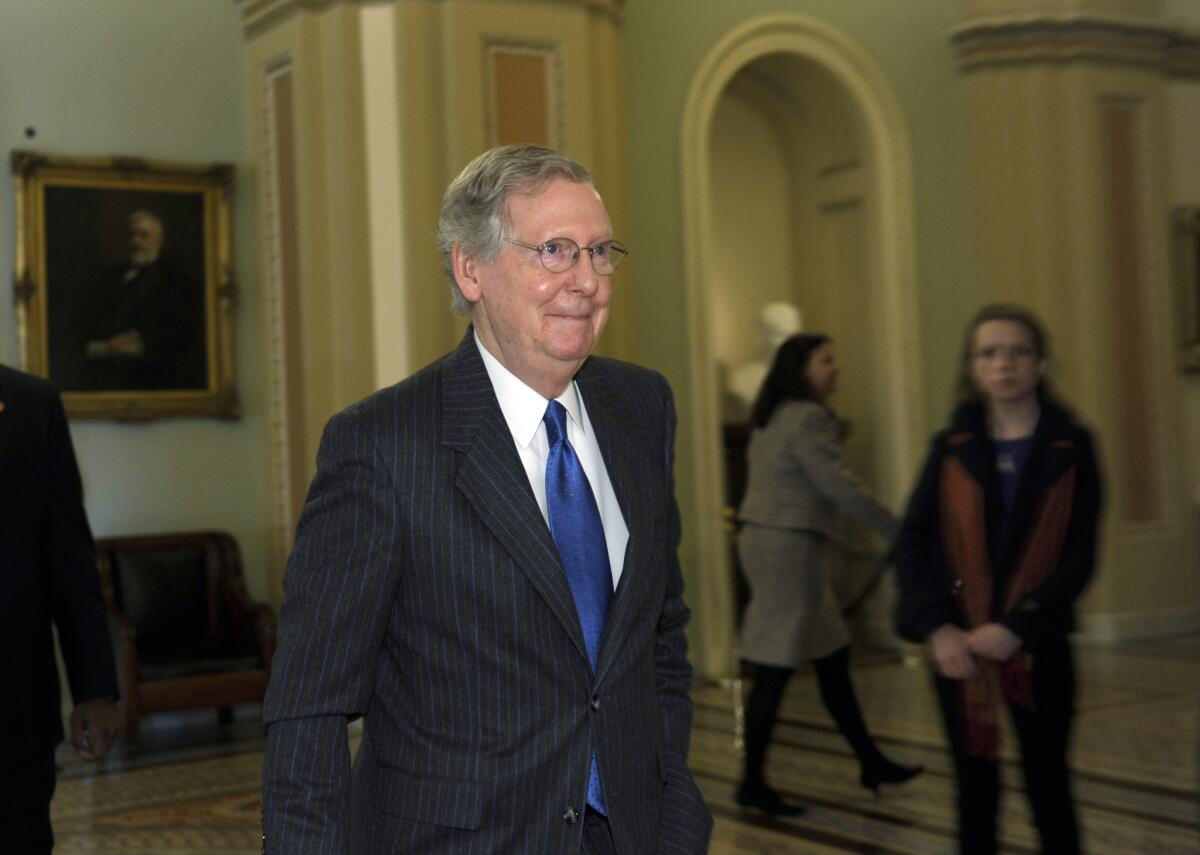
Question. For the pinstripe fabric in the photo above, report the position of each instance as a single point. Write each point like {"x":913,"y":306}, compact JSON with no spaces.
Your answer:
{"x":425,"y":594}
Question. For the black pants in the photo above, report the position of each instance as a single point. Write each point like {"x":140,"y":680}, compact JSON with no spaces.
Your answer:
{"x":26,"y":789}
{"x":837,"y":693}
{"x":1043,"y":734}
{"x":762,"y":711}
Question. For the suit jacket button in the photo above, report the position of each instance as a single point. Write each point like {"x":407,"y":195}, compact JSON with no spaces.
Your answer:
{"x":569,"y":816}
{"x":595,"y":702}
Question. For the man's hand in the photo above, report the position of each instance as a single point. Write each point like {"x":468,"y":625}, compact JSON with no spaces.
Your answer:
{"x":951,"y":655}
{"x":94,"y":726}
{"x":993,"y":641}
{"x":127,"y":343}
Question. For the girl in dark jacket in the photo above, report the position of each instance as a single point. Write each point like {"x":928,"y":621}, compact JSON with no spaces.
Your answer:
{"x":998,"y":541}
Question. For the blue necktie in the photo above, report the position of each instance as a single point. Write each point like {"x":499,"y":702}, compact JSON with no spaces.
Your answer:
{"x":579,"y":534}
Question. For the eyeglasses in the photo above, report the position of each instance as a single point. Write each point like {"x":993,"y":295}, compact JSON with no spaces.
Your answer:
{"x":558,"y":255}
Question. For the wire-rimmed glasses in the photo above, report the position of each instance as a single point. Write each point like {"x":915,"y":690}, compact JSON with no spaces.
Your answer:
{"x":558,"y":255}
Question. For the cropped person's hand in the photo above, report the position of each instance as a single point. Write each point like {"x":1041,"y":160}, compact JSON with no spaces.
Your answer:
{"x":993,"y":641}
{"x":951,"y":655}
{"x":94,"y":726}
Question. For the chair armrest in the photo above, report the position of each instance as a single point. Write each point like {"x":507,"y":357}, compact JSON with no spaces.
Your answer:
{"x":123,"y":630}
{"x":234,"y":596}
{"x":124,"y":634}
{"x":235,"y":602}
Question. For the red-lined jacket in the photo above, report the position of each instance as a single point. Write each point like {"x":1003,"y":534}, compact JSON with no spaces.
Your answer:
{"x":929,"y":588}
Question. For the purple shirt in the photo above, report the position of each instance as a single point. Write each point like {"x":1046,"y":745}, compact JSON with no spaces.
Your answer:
{"x":1011,"y":455}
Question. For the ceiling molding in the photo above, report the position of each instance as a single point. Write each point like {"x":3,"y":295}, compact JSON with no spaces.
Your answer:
{"x":1087,"y":38}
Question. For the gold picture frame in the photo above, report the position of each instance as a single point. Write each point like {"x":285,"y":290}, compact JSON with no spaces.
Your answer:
{"x":1185,"y":241}
{"x":124,"y":284}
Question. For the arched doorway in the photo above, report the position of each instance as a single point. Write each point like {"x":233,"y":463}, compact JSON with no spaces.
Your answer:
{"x":796,"y":187}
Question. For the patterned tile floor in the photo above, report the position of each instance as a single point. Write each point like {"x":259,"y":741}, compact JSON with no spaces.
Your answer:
{"x":191,"y":788}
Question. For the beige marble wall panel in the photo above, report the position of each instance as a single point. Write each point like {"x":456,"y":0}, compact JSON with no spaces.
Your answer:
{"x":427,"y":162}
{"x":980,"y":8}
{"x":1068,"y":216}
{"x":290,"y":451}
{"x":522,"y":108}
{"x":609,"y":108}
{"x":446,"y":90}
{"x":1136,"y":466}
{"x":322,"y":327}
{"x":379,"y":124}
{"x":389,"y":237}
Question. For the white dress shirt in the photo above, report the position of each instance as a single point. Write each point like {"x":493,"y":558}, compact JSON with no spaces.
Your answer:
{"x":524,"y":409}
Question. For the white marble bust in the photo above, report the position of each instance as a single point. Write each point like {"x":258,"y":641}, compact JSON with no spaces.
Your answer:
{"x":776,"y":323}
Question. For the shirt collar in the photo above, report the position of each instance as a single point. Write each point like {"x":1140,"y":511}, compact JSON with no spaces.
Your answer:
{"x":524,"y":408}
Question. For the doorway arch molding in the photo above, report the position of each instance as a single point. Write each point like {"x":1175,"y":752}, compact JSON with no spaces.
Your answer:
{"x":892,"y":226}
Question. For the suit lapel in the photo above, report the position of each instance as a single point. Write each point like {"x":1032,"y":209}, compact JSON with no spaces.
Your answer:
{"x":494,"y":482}
{"x":624,"y":459}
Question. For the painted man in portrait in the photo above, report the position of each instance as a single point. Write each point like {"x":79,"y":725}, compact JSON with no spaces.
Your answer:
{"x":145,"y":328}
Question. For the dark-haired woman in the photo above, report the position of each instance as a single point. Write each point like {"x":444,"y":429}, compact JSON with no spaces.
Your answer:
{"x":797,"y":491}
{"x":998,"y":541}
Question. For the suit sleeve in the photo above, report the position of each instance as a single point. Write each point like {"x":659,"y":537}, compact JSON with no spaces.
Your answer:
{"x":686,"y":822}
{"x":68,"y":553}
{"x":925,"y":601}
{"x":1047,"y":610}
{"x":340,"y":582}
{"x":819,"y":451}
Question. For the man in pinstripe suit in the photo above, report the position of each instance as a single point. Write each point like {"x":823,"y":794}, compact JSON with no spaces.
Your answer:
{"x":426,"y":593}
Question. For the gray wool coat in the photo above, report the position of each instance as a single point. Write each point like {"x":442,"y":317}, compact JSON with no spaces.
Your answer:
{"x":798,"y":494}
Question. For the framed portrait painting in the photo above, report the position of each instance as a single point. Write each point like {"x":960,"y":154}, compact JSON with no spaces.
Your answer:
{"x":124,"y":284}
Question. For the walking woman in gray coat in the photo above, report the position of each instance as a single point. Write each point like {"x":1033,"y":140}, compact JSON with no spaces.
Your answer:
{"x":797,"y":493}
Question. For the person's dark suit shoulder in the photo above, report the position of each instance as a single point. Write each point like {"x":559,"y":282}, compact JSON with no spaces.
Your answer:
{"x":28,"y":385}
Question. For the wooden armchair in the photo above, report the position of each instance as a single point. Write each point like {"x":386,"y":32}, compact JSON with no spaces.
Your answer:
{"x":188,"y":635}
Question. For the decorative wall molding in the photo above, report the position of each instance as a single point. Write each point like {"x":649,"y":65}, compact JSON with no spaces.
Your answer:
{"x":1138,"y":468}
{"x":1183,"y":55}
{"x":1130,"y":626}
{"x":259,"y":16}
{"x":871,"y":93}
{"x":508,"y":108}
{"x":276,"y":151}
{"x":1043,"y":39}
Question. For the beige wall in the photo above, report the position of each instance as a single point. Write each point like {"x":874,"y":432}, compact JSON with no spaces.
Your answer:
{"x":392,"y":99}
{"x":753,"y":215}
{"x":161,"y":81}
{"x":994,"y":156}
{"x":171,"y":81}
{"x":1183,"y":130}
{"x":1071,"y":185}
{"x":1009,"y":7}
{"x":907,"y":42}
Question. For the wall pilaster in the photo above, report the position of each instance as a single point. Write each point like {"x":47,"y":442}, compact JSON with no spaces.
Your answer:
{"x":1067,"y":129}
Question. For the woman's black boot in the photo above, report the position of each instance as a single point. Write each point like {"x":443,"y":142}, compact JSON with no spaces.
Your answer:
{"x":833,"y":677}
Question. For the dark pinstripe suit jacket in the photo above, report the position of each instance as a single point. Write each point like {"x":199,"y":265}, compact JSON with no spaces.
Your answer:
{"x":425,"y":594}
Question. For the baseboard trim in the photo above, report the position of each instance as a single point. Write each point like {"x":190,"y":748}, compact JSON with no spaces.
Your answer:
{"x":1130,"y":626}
